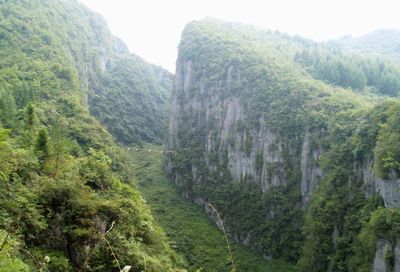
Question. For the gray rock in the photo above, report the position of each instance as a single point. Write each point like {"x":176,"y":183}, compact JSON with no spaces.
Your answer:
{"x":380,"y":264}
{"x":397,"y":257}
{"x":389,"y":189}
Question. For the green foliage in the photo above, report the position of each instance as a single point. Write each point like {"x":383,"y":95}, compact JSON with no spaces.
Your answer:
{"x":8,"y":109}
{"x":383,"y":225}
{"x":191,"y":232}
{"x":72,"y":202}
{"x":63,"y":181}
{"x":382,"y":41}
{"x":131,"y":101}
{"x":29,"y":118}
{"x":9,"y":257}
{"x":333,"y":68}
{"x":42,"y":146}
{"x":352,"y":71}
{"x":387,"y":151}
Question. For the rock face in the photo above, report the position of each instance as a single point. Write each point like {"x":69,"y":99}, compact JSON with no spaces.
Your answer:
{"x":380,"y":263}
{"x":389,"y":189}
{"x":397,"y":258}
{"x":256,"y":153}
{"x":384,"y":260}
{"x":311,"y":173}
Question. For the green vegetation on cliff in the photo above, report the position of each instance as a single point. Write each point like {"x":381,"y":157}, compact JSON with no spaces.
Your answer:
{"x":286,"y":157}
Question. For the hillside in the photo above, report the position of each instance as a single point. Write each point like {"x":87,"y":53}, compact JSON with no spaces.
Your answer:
{"x":378,"y":42}
{"x":301,"y":170}
{"x":66,"y":202}
{"x":131,"y":98}
{"x":192,"y":233}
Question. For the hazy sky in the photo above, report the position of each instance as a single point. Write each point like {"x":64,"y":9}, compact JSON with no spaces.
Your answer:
{"x":152,"y":28}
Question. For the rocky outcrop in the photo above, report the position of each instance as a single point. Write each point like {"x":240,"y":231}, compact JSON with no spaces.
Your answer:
{"x":311,"y":173}
{"x":389,"y":189}
{"x":387,"y":257}
{"x":397,"y":257}
{"x":380,"y":263}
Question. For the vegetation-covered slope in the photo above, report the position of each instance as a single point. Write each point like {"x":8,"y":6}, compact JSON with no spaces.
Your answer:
{"x":378,"y":75}
{"x":132,"y":100}
{"x":293,"y":163}
{"x":378,"y":42}
{"x":65,"y":202}
{"x":100,"y":60}
{"x":192,"y":232}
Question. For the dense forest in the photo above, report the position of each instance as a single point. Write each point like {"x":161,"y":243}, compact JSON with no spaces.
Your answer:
{"x":281,"y":153}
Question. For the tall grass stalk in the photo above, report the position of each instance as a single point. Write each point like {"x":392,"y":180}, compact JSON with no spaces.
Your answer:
{"x":226,"y":238}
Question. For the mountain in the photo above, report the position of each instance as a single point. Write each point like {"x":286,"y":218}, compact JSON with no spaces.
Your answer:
{"x":381,"y":41}
{"x":68,"y":202}
{"x":300,"y":168}
{"x":131,"y":97}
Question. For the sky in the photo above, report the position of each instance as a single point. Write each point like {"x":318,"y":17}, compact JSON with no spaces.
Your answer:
{"x":152,"y":28}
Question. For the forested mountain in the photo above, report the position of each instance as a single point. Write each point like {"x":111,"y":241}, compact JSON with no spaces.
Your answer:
{"x":382,"y":41}
{"x":300,"y":168}
{"x":66,"y":202}
{"x":372,"y":74}
{"x":131,"y":98}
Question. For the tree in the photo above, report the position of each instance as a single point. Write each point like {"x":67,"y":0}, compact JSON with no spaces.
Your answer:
{"x":29,"y":117}
{"x":8,"y":111}
{"x":23,"y":94}
{"x":42,"y":146}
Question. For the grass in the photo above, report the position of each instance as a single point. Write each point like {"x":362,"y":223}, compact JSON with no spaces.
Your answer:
{"x":191,"y":232}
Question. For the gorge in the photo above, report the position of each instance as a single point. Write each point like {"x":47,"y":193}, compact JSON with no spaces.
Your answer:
{"x":108,"y":161}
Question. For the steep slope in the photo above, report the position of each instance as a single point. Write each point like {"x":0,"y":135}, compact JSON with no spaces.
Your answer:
{"x":131,"y":98}
{"x":192,"y":233}
{"x":292,"y":163}
{"x":65,"y":204}
{"x":101,"y":63}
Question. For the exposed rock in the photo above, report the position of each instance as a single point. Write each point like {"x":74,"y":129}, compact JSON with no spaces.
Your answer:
{"x":126,"y":268}
{"x":311,"y":174}
{"x":389,"y":189}
{"x":380,"y":264}
{"x":397,"y":257}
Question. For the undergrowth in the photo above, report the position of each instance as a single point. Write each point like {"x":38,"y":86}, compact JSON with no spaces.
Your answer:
{"x":192,"y":233}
